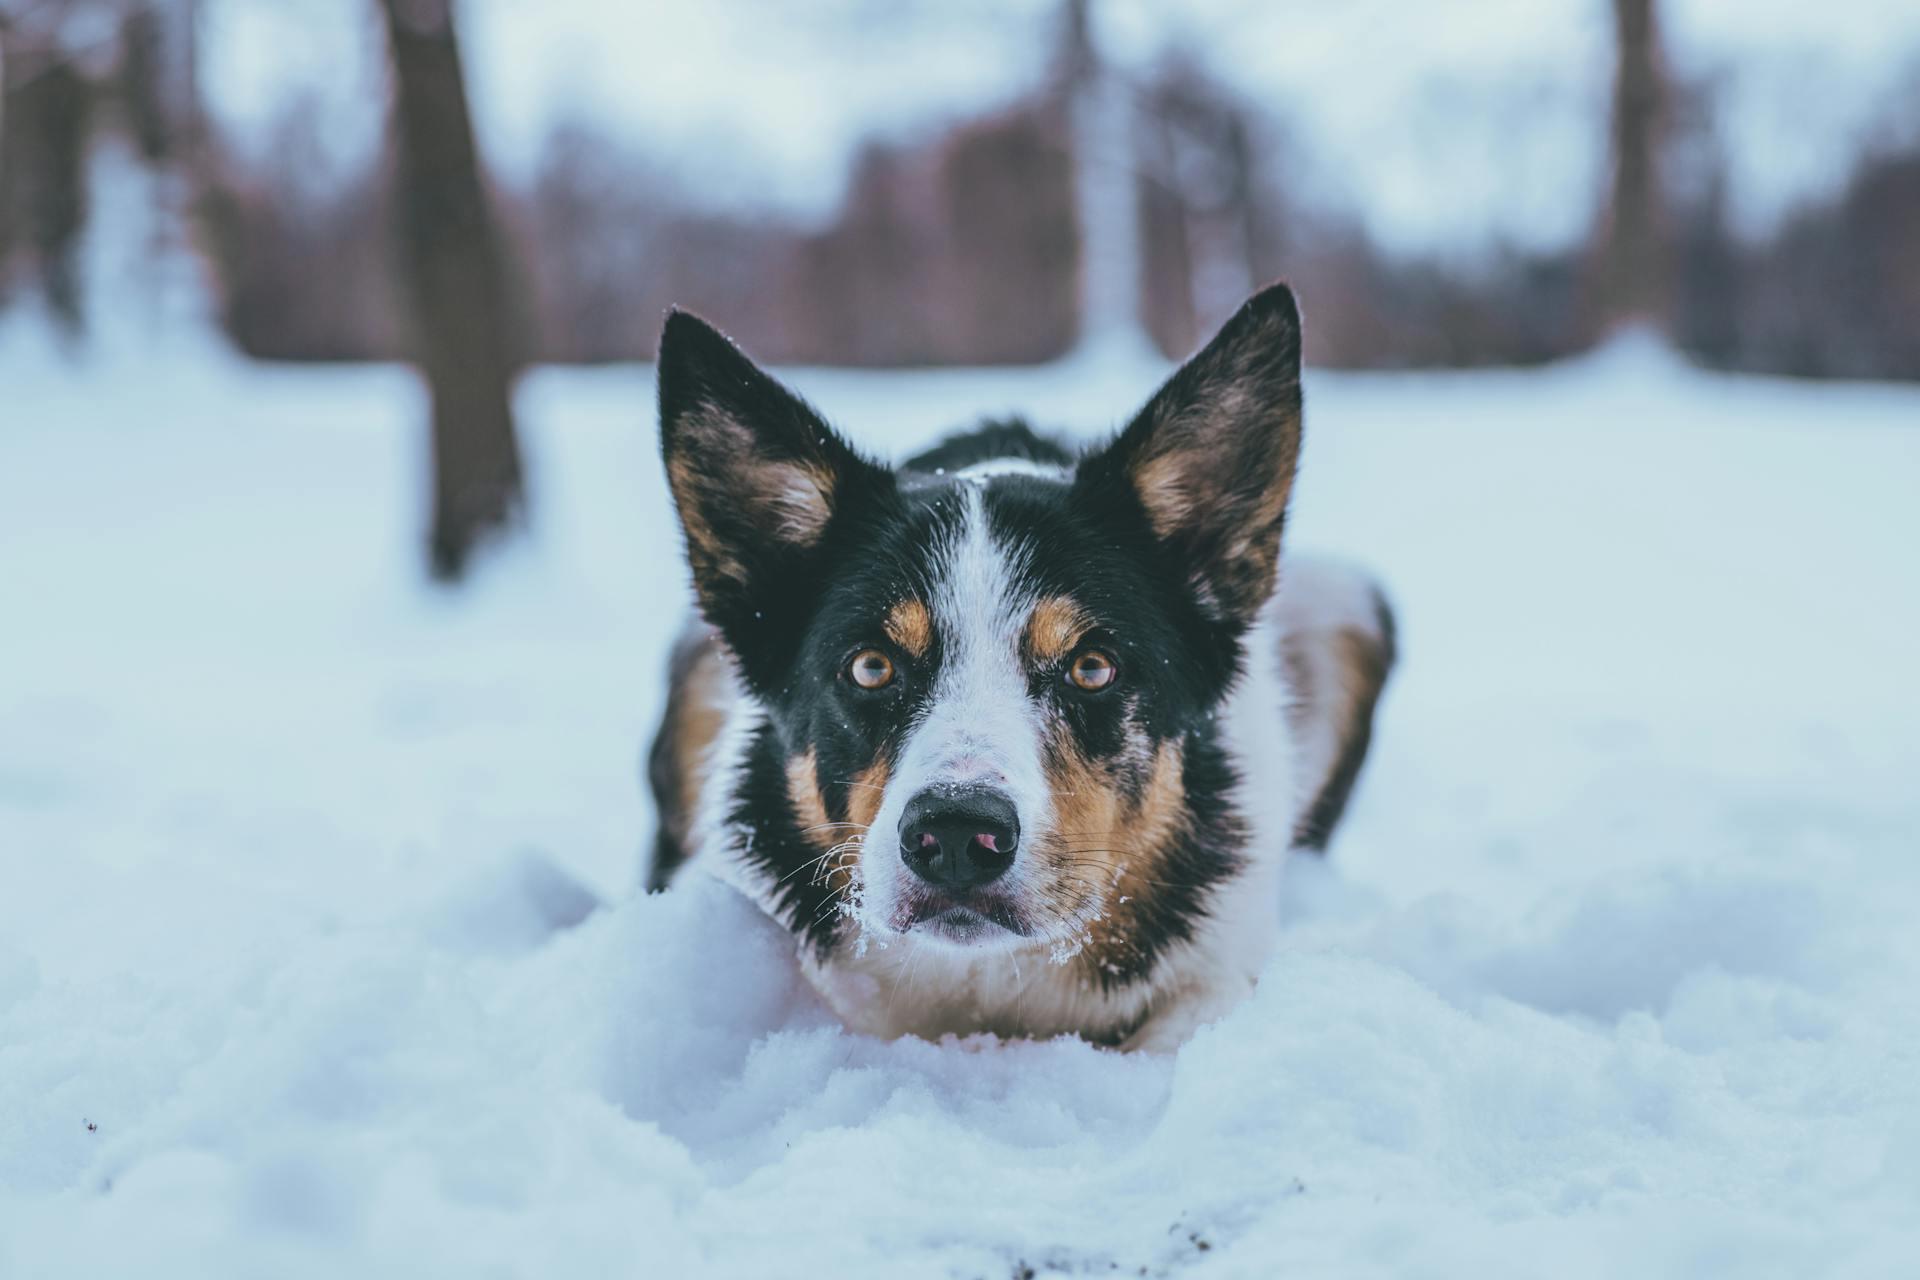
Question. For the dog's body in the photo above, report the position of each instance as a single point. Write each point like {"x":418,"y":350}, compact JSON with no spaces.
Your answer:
{"x":1012,"y":740}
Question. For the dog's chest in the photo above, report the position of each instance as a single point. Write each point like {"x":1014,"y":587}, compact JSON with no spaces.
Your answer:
{"x":908,"y":987}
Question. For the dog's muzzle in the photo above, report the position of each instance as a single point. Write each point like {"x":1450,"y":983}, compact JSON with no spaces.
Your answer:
{"x":959,"y":838}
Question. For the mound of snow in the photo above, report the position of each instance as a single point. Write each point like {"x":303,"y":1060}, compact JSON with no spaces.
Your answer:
{"x":300,"y":972}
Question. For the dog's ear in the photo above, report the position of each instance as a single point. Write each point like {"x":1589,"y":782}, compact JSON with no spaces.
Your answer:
{"x":757,"y":476}
{"x":1211,"y":458}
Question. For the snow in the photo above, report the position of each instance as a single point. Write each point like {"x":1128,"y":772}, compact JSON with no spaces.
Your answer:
{"x":1610,"y":973}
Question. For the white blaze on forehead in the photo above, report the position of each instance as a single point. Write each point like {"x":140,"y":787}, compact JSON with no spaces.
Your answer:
{"x":980,"y":724}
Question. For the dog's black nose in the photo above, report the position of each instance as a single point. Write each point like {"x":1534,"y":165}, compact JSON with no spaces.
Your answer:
{"x":959,"y":839}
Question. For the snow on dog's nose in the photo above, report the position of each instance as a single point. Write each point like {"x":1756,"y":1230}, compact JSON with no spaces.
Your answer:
{"x":959,"y":839}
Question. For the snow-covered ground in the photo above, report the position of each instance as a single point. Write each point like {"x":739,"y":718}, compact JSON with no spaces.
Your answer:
{"x":1613,"y":971}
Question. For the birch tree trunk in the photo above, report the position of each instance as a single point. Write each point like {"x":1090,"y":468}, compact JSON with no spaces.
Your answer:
{"x":1106,"y":197}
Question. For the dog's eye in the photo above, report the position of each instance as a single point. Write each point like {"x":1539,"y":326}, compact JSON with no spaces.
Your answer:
{"x":870,"y":669}
{"x":1092,"y":671}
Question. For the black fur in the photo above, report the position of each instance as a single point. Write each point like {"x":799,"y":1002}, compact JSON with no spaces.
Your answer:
{"x":992,"y":439}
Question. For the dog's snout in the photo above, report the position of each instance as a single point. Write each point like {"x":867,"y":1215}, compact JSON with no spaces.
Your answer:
{"x":959,"y":839}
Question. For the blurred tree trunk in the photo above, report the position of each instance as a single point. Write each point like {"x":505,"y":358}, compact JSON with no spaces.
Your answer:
{"x":452,"y":263}
{"x":1634,"y":263}
{"x":145,"y":91}
{"x":43,"y":182}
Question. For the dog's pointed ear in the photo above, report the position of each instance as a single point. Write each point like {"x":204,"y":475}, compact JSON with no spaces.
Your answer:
{"x":757,"y":476}
{"x":1211,"y":457}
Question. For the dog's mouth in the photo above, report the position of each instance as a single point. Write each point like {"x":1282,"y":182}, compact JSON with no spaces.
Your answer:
{"x":962,"y":918}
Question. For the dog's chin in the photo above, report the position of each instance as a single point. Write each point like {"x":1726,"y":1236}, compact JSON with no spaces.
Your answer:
{"x":969,"y":921}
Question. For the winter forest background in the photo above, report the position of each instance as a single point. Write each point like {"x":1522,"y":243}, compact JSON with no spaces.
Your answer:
{"x":919,"y":184}
{"x":1467,"y":203}
{"x":338,"y":578}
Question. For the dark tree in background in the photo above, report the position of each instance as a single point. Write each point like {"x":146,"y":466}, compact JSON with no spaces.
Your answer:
{"x":1635,"y":268}
{"x":43,"y":187}
{"x":453,"y":268}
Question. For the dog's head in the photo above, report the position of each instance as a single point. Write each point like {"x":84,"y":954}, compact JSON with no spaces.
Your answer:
{"x":990,"y":688}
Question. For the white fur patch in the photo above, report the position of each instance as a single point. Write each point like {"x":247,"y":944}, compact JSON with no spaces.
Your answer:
{"x":980,"y":727}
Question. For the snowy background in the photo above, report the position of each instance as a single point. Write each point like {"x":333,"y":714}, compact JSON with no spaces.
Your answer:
{"x":318,"y":954}
{"x":1612,"y":971}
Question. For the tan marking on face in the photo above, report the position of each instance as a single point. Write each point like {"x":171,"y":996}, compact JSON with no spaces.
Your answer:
{"x":839,"y":843}
{"x":1055,"y":626}
{"x":910,"y":626}
{"x":809,"y":809}
{"x":864,"y":791}
{"x":867,"y":789}
{"x":1110,"y":849}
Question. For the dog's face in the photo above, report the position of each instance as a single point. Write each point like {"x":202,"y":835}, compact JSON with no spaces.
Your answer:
{"x":989,"y":687}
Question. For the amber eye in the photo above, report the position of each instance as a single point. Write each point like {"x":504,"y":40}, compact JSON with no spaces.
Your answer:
{"x":1092,"y":671}
{"x":870,"y":669}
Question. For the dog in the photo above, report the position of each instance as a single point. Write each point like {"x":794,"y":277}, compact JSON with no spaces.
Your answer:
{"x":1012,"y":738}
